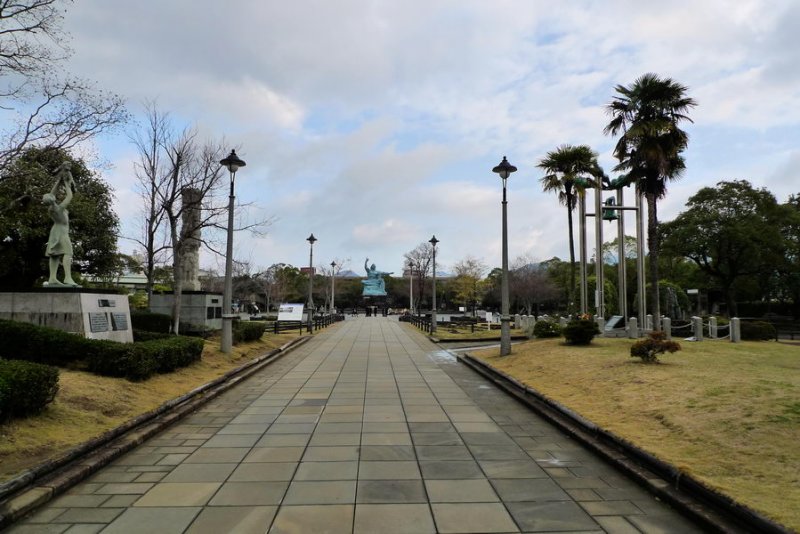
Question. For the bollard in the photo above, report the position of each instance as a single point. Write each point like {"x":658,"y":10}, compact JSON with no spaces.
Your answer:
{"x":648,"y":322}
{"x":667,"y":322}
{"x":517,"y":321}
{"x":633,"y":328}
{"x":697,"y":328}
{"x":712,"y":328}
{"x":736,"y":330}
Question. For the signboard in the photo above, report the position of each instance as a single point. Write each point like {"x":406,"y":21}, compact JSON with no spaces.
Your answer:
{"x":98,"y":322}
{"x":306,"y":270}
{"x":119,"y":321}
{"x":488,"y":317}
{"x":290,"y":312}
{"x":616,"y":321}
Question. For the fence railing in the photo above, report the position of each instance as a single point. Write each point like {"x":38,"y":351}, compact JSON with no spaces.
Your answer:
{"x":319,"y":321}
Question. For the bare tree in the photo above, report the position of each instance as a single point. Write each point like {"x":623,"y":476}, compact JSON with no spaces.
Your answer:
{"x":420,"y":259}
{"x":50,"y":109}
{"x":152,"y":173}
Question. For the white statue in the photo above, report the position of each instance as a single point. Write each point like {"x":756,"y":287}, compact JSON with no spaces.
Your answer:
{"x":59,"y":246}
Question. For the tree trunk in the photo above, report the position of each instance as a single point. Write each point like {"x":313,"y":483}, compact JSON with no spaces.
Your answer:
{"x":653,"y":246}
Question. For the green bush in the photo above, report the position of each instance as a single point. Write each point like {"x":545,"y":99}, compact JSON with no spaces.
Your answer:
{"x":654,"y":344}
{"x":757,"y":331}
{"x":144,"y":335}
{"x":580,"y":331}
{"x":40,"y":344}
{"x":244,"y":331}
{"x":546,"y":329}
{"x":151,"y":322}
{"x":141,"y":360}
{"x":151,"y":353}
{"x":25,"y":387}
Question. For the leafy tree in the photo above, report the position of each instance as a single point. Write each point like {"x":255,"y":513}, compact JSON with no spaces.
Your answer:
{"x":570,"y":170}
{"x":25,"y":223}
{"x":730,"y":231}
{"x":467,"y":285}
{"x":647,"y":115}
{"x":49,"y":108}
{"x":788,"y":271}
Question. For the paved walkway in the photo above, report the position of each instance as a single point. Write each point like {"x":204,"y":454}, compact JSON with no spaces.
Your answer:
{"x":368,"y":428}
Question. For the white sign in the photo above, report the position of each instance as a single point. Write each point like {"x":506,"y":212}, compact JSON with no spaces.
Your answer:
{"x":488,"y":317}
{"x":290,"y":312}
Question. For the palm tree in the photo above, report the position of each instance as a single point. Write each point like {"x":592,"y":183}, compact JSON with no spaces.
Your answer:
{"x":570,"y":170}
{"x":647,"y":113}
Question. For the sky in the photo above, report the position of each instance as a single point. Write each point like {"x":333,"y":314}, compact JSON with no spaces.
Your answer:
{"x":375,"y":124}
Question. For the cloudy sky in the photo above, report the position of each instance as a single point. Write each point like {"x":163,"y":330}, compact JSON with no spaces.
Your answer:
{"x":375,"y":124}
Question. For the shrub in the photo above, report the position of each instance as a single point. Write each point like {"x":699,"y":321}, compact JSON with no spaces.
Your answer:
{"x":654,"y":344}
{"x":244,"y":331}
{"x":40,"y":344}
{"x":580,"y":331}
{"x":138,"y":361}
{"x":144,"y":335}
{"x":26,"y":387}
{"x":151,"y":322}
{"x":546,"y":329}
{"x":757,"y":331}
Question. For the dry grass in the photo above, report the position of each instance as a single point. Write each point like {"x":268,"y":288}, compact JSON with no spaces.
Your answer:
{"x":88,"y":405}
{"x":727,"y":413}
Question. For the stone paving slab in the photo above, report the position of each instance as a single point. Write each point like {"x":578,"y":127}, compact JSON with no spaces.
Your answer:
{"x":367,"y":428}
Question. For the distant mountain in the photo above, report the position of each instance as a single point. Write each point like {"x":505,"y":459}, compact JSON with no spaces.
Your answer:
{"x":349,"y":274}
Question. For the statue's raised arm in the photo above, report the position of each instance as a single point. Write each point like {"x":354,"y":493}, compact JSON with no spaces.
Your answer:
{"x":366,"y":268}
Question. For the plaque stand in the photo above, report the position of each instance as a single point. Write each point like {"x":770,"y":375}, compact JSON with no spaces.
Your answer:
{"x":92,"y":313}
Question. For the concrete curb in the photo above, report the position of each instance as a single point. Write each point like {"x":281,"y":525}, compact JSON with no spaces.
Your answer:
{"x":694,"y":499}
{"x":42,"y":483}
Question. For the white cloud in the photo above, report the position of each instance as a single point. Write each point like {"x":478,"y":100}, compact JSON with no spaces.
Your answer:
{"x":376,"y":124}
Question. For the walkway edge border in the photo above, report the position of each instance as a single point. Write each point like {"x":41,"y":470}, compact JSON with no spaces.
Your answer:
{"x":42,"y":483}
{"x":690,"y":496}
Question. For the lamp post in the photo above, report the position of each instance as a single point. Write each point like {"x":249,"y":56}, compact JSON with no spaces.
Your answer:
{"x":333,"y":287}
{"x":411,"y":287}
{"x":311,"y":240}
{"x":433,"y":242}
{"x":504,"y":169}
{"x":232,"y":163}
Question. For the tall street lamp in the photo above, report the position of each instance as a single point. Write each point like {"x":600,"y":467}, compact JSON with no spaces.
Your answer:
{"x":433,"y":242}
{"x":411,"y":286}
{"x":311,"y":240}
{"x":232,"y":163}
{"x":504,"y":170}
{"x":333,"y":287}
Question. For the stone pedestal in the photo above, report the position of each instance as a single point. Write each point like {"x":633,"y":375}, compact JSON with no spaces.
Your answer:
{"x":92,"y":313}
{"x":198,"y":308}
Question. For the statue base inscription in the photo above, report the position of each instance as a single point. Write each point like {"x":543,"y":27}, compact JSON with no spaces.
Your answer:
{"x":87,"y":312}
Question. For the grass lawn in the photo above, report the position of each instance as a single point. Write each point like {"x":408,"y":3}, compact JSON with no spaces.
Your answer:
{"x":729,"y":414}
{"x":88,"y":405}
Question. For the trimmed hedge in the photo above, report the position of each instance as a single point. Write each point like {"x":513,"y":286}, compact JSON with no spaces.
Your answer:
{"x":757,"y":331}
{"x":580,"y":331}
{"x":155,"y":353}
{"x":151,"y":322}
{"x":141,"y":360}
{"x":546,"y":328}
{"x":40,"y":344}
{"x":25,"y":388}
{"x":244,"y":331}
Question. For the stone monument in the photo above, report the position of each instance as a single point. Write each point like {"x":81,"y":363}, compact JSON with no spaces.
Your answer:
{"x":93,"y":313}
{"x":198,"y":308}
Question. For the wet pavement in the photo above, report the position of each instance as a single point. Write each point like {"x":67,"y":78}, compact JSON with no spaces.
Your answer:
{"x":367,"y":428}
